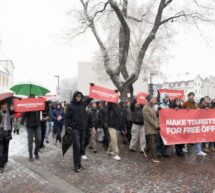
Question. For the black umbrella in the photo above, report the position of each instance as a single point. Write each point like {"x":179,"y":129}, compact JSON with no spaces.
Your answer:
{"x":66,"y":142}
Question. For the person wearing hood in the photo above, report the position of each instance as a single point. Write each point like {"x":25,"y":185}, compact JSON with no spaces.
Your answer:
{"x":138,"y":130}
{"x":75,"y":124}
{"x":151,"y":129}
{"x":191,"y":104}
{"x":58,"y":116}
{"x":93,"y":124}
{"x":48,"y":120}
{"x":5,"y":133}
{"x":103,"y":120}
{"x":33,"y":126}
{"x":163,"y":150}
{"x":207,"y":105}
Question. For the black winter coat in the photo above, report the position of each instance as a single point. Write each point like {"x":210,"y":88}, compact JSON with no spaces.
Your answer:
{"x":76,"y":114}
{"x":32,"y":119}
{"x":114,"y":118}
{"x":93,"y":118}
{"x":103,"y":116}
{"x":137,"y":113}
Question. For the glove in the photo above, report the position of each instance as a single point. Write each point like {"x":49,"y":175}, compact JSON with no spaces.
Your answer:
{"x":159,"y":108}
{"x":158,"y":128}
{"x":92,"y":84}
{"x":176,"y":108}
{"x":68,"y":131}
{"x":207,"y":108}
{"x":188,"y":109}
{"x":116,"y":91}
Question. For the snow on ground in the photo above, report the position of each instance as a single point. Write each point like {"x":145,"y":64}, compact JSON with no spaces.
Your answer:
{"x":19,"y":144}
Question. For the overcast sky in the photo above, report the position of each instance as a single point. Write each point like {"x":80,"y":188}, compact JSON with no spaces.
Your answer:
{"x":30,"y":31}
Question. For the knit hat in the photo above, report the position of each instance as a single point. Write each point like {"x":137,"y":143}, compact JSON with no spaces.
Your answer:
{"x":149,"y":97}
{"x":191,"y":93}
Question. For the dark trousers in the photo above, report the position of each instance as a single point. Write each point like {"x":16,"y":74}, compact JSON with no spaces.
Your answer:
{"x":151,"y":146}
{"x":128,"y":128}
{"x":43,"y":133}
{"x":78,"y":146}
{"x":106,"y":140}
{"x":58,"y":130}
{"x":37,"y":132}
{"x":4,"y":147}
{"x":179,"y":148}
{"x":161,"y":148}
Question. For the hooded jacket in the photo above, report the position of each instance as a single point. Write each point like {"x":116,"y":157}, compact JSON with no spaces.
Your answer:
{"x":56,"y":113}
{"x":162,"y":104}
{"x":136,"y":113}
{"x":114,"y":116}
{"x":93,"y":118}
{"x":76,"y":114}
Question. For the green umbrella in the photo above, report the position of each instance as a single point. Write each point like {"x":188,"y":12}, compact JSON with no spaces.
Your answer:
{"x":28,"y":89}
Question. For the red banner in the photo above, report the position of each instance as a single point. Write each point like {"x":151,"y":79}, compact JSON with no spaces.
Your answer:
{"x":173,"y":93}
{"x":30,"y":104}
{"x":141,"y":98}
{"x":104,"y":94}
{"x":183,"y":126}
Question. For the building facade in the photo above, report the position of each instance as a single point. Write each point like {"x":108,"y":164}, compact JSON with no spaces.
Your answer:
{"x":6,"y":74}
{"x":191,"y":83}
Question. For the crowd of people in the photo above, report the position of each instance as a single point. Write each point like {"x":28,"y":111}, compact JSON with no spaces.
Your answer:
{"x":91,"y":121}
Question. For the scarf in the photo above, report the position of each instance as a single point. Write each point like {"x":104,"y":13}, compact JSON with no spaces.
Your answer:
{"x":5,"y":122}
{"x":191,"y":100}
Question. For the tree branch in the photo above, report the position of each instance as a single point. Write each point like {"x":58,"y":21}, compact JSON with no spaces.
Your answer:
{"x":101,"y":11}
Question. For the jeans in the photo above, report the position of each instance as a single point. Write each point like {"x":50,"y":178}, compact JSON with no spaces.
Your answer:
{"x":198,"y":147}
{"x":48,"y":129}
{"x":30,"y":132}
{"x":58,"y":130}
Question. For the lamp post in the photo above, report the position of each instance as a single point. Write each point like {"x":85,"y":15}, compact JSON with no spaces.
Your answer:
{"x":151,"y":90}
{"x":58,"y":84}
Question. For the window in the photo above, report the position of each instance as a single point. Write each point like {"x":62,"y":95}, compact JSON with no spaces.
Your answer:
{"x":179,"y":84}
{"x":186,"y":83}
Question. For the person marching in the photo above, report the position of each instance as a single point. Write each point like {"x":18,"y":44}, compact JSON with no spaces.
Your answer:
{"x":5,"y":133}
{"x":75,"y":124}
{"x":151,"y":129}
{"x":58,"y":116}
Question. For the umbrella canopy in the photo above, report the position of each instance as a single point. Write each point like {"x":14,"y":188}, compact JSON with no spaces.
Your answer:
{"x":5,"y":93}
{"x":66,"y":143}
{"x":28,"y":89}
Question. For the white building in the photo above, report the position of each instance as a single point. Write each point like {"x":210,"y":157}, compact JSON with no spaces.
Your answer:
{"x":192,"y":83}
{"x":87,"y":74}
{"x":6,"y":73}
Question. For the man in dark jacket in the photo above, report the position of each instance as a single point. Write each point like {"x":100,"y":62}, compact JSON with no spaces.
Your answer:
{"x":138,"y":130}
{"x":114,"y":123}
{"x":33,"y":127}
{"x":103,"y":120}
{"x":75,"y":123}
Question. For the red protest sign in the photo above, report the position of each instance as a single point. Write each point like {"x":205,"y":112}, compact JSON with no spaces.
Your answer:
{"x":141,"y":97}
{"x":103,"y":94}
{"x":30,"y":104}
{"x":173,"y":93}
{"x":183,"y":126}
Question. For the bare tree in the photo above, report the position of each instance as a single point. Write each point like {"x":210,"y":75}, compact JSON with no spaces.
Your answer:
{"x":67,"y":88}
{"x":163,"y":12}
